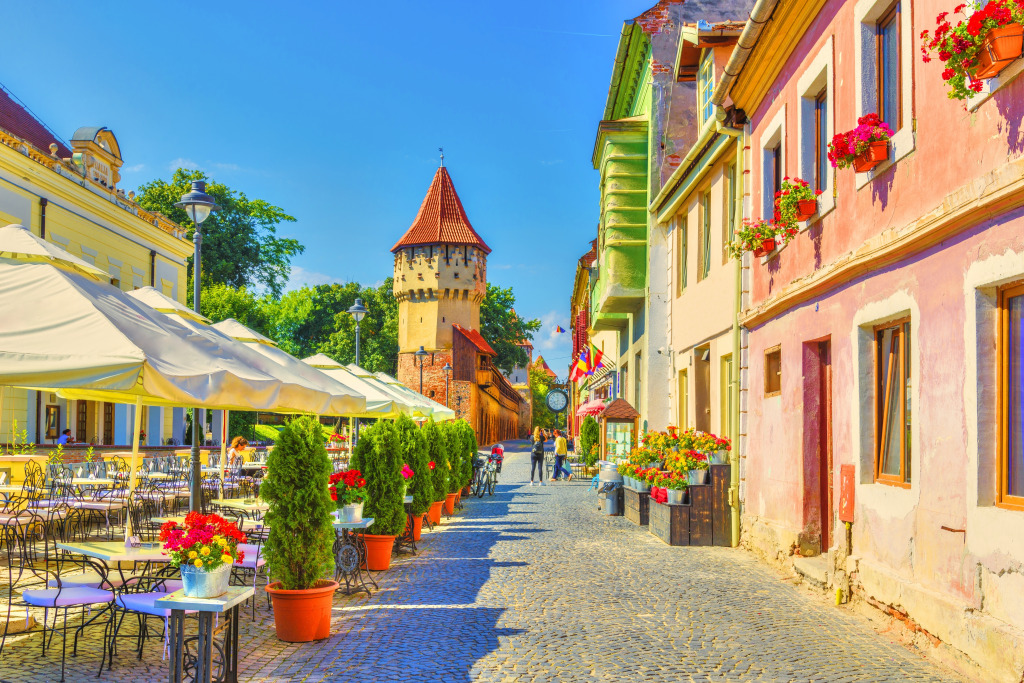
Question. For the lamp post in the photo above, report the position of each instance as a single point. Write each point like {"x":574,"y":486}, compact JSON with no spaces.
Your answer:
{"x":357,"y":311}
{"x":447,"y":375}
{"x":197,"y":205}
{"x":421,"y":354}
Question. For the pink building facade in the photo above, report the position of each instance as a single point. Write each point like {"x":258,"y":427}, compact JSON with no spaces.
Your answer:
{"x":885,"y":338}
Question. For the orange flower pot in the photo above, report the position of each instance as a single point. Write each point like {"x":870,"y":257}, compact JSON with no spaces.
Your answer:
{"x":301,"y":616}
{"x":466,"y":491}
{"x":434,"y":514}
{"x":449,"y":504}
{"x":805,"y":208}
{"x":378,"y":551}
{"x":417,"y":527}
{"x":1002,"y":46}
{"x":767,"y":247}
{"x":876,"y":153}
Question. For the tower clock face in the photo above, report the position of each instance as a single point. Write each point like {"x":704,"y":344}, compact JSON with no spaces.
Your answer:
{"x":557,"y":400}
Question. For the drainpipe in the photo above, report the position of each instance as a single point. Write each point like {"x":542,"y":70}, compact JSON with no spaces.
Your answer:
{"x":152,"y":267}
{"x":734,"y":454}
{"x":760,"y":15}
{"x":43,"y":201}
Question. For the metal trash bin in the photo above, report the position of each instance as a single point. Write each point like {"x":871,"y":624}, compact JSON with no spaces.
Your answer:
{"x":609,"y":498}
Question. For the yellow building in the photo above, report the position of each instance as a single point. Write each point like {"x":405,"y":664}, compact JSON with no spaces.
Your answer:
{"x":69,"y":195}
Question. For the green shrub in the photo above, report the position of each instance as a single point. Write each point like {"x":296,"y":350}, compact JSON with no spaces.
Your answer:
{"x":437,"y":450}
{"x":416,"y":456}
{"x":298,"y":550}
{"x":470,"y":450}
{"x":590,"y":434}
{"x":378,"y":455}
{"x":453,"y":441}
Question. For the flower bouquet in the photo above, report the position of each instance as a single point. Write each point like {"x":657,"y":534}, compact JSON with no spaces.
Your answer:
{"x":407,"y":474}
{"x":675,"y":484}
{"x":978,"y":46}
{"x":758,"y":236}
{"x":337,"y":439}
{"x":864,"y":147}
{"x":696,"y":464}
{"x":204,"y":549}
{"x":795,"y":202}
{"x":348,"y":491}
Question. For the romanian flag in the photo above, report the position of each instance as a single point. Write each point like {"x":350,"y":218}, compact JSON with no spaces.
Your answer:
{"x":559,"y":329}
{"x":595,"y":359}
{"x":580,"y":368}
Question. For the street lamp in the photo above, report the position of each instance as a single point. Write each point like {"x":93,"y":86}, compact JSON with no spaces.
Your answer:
{"x":358,"y":311}
{"x":421,"y":354}
{"x":197,"y":205}
{"x":447,"y":375}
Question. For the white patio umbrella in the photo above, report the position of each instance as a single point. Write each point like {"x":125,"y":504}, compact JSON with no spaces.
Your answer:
{"x":417,"y":401}
{"x":438,"y":410}
{"x":379,"y":403}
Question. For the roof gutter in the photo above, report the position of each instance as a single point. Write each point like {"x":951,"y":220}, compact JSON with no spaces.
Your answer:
{"x":621,"y":55}
{"x":760,"y":15}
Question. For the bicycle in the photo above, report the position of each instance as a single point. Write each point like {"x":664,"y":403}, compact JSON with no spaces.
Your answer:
{"x":487,"y":479}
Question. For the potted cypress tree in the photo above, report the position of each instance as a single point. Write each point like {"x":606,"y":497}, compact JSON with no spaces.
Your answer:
{"x":298,"y":549}
{"x":437,"y":450}
{"x":378,"y":456}
{"x":452,"y":441}
{"x":417,"y":457}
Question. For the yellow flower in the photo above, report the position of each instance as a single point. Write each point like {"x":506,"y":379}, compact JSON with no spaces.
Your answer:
{"x":222,"y":542}
{"x":205,"y":551}
{"x":198,"y":563}
{"x":192,"y":554}
{"x":226,"y":559}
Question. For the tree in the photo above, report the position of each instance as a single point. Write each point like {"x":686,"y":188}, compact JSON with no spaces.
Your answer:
{"x":417,"y":457}
{"x":438,"y":449}
{"x":503,"y":329}
{"x":220,"y":302}
{"x":540,"y":385}
{"x":378,"y":456}
{"x":240,"y":243}
{"x":301,"y":527}
{"x":378,"y":331}
{"x":590,"y":434}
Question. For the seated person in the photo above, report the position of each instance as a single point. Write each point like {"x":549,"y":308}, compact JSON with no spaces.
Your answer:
{"x":236,"y":454}
{"x":66,"y":438}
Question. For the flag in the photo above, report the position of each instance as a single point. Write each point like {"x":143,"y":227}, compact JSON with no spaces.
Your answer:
{"x":575,"y":373}
{"x":580,"y":368}
{"x":595,"y":359}
{"x":559,"y":329}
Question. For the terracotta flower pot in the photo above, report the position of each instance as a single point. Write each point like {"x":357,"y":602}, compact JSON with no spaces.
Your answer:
{"x":449,"y":504}
{"x":805,"y":208}
{"x":465,"y":490}
{"x":767,"y":247}
{"x":301,"y":616}
{"x":417,"y":527}
{"x":876,"y":153}
{"x":1001,"y":47}
{"x":378,"y":551}
{"x":434,"y":514}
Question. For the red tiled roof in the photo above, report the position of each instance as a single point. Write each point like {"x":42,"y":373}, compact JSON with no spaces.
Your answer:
{"x":441,"y":219}
{"x":478,"y":341}
{"x":544,"y":367}
{"x":588,"y":259}
{"x":16,"y":120}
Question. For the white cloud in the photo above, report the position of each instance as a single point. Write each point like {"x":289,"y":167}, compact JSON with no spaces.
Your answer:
{"x":301,"y":277}
{"x":556,"y":347}
{"x":183,"y":163}
{"x":226,"y":167}
{"x":133,"y":169}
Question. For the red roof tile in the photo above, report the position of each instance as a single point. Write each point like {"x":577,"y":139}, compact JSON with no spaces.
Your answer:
{"x":441,"y":219}
{"x":588,"y":259}
{"x":478,"y":341}
{"x":17,"y":121}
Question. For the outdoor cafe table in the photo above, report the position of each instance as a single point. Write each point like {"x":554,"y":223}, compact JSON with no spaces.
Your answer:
{"x":350,"y":556}
{"x":240,"y":504}
{"x":86,"y":481}
{"x":163,"y":520}
{"x":7,"y":489}
{"x":201,"y":667}
{"x":115,"y":552}
{"x":407,"y":541}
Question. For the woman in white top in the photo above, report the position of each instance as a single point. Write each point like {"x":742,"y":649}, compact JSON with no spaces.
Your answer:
{"x":237,"y":451}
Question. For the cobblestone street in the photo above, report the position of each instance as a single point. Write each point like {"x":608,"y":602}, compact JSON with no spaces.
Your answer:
{"x":534,"y":585}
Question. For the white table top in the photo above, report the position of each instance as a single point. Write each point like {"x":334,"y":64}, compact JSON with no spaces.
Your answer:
{"x":115,"y":551}
{"x":407,"y":499}
{"x":154,"y":475}
{"x":10,"y":488}
{"x":240,"y":504}
{"x":164,"y":520}
{"x":86,"y":481}
{"x":221,"y":603}
{"x":362,"y":524}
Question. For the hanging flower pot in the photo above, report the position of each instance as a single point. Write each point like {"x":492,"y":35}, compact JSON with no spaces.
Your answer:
{"x":434,"y":514}
{"x":767,"y":247}
{"x":876,"y":153}
{"x":1000,"y":48}
{"x":805,"y":208}
{"x":378,"y":551}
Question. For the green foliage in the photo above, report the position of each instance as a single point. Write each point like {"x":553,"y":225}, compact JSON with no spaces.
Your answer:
{"x":452,"y":437}
{"x":220,"y":302}
{"x":540,"y":385}
{"x":469,"y":449}
{"x":56,"y":456}
{"x":378,"y":456}
{"x":416,"y":455}
{"x":437,"y":449}
{"x":89,"y":455}
{"x":298,"y":550}
{"x":590,"y":434}
{"x":503,"y":329}
{"x":19,"y":444}
{"x":265,"y":433}
{"x":240,"y":243}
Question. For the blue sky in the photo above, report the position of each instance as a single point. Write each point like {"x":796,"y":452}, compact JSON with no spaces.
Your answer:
{"x":334,"y":111}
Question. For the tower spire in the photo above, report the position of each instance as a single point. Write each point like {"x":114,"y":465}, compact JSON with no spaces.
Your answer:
{"x":441,"y":150}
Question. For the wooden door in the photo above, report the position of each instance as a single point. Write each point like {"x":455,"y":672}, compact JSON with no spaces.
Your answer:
{"x":702,"y":380}
{"x":825,"y":484}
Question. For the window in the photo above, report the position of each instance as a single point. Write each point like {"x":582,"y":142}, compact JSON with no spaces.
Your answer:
{"x":725,"y":391}
{"x":892,"y":403}
{"x":728,"y":211}
{"x":887,"y":68}
{"x":773,"y":371}
{"x":624,"y":381}
{"x":682,"y":254}
{"x":681,"y":404}
{"x":821,"y":140}
{"x":776,"y":166}
{"x":637,"y":383}
{"x":1011,"y":397}
{"x":704,"y":256}
{"x":773,"y":162}
{"x":705,"y":87}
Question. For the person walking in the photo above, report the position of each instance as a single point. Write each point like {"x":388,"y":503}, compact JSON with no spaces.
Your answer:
{"x":561,"y":453}
{"x":537,"y":456}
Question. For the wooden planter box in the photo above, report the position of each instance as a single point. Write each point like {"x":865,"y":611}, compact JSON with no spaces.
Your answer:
{"x":636,"y":506}
{"x":705,"y":520}
{"x":670,"y":523}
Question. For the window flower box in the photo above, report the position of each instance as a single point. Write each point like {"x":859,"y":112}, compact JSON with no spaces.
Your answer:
{"x":1000,"y":48}
{"x":864,"y":147}
{"x":876,"y":153}
{"x":766,"y":247}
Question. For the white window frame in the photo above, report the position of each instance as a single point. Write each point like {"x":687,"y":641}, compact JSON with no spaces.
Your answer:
{"x":866,"y":16}
{"x":773,"y":135}
{"x":897,"y":500}
{"x":709,"y":60}
{"x":992,"y":85}
{"x":817,"y":76}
